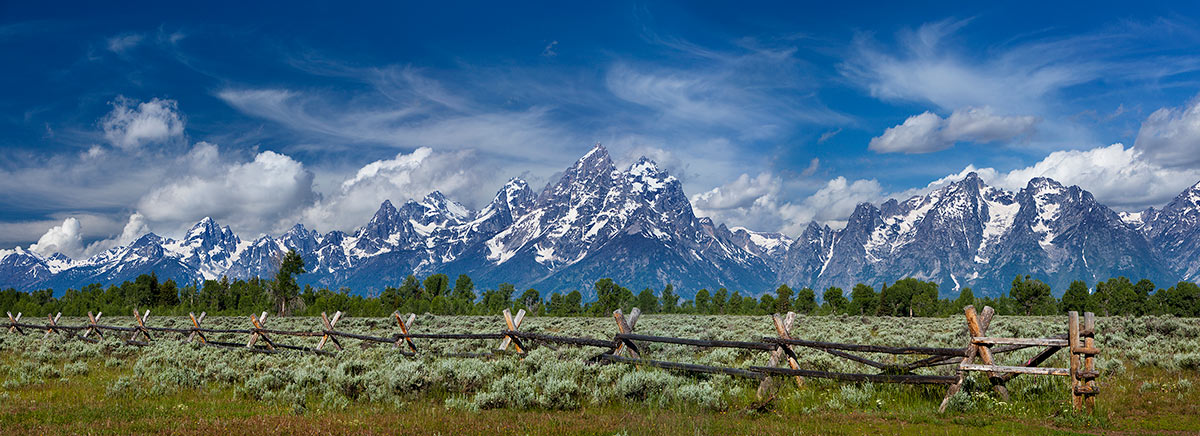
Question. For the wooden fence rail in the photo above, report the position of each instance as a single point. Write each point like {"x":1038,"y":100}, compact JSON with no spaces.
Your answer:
{"x":623,"y":347}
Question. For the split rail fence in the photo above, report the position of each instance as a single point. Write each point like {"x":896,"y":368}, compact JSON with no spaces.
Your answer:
{"x":979,"y":354}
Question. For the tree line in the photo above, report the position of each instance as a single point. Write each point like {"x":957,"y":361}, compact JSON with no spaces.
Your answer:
{"x":436,"y":294}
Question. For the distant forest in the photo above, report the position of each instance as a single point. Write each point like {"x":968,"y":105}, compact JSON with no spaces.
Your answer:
{"x":436,"y":294}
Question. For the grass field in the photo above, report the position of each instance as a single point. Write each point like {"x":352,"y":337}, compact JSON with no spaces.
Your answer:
{"x":65,"y":387}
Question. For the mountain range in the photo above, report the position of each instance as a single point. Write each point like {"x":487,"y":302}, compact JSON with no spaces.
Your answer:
{"x":637,"y":227}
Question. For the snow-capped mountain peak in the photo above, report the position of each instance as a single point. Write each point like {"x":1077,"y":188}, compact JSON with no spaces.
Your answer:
{"x":637,"y":227}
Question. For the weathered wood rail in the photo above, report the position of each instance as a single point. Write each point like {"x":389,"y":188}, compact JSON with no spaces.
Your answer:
{"x":624,"y":347}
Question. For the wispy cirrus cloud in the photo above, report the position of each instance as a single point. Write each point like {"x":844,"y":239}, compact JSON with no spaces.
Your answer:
{"x":121,"y":43}
{"x":524,"y":133}
{"x":930,"y":64}
{"x":752,"y":91}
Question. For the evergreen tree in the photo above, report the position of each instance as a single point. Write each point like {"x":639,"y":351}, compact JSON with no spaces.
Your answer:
{"x":966,"y":297}
{"x":885,"y":307}
{"x":410,"y":290}
{"x":719,"y":301}
{"x":670,"y":300}
{"x":390,"y":298}
{"x":806,"y":301}
{"x":783,"y":299}
{"x":285,"y":288}
{"x":1142,"y":289}
{"x":464,"y":288}
{"x":610,"y":297}
{"x":703,"y":301}
{"x":532,"y":300}
{"x":647,"y":301}
{"x":436,"y":285}
{"x":1183,"y":299}
{"x":734,"y":305}
{"x":766,"y":304}
{"x":863,"y":300}
{"x":167,"y":295}
{"x":1032,"y":296}
{"x":573,"y":303}
{"x":835,"y":300}
{"x":1076,"y":298}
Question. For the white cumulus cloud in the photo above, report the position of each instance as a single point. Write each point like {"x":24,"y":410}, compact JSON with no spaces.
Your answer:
{"x":130,"y":125}
{"x":928,"y":132}
{"x":1171,"y":136}
{"x":258,"y":196}
{"x":1118,"y":176}
{"x":457,"y":174}
{"x":758,"y":203}
{"x":64,"y":238}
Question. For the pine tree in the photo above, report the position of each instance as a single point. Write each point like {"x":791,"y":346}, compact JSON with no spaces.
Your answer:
{"x":783,"y":299}
{"x":806,"y":301}
{"x":1032,"y":296}
{"x":670,"y":300}
{"x":1076,"y":298}
{"x":647,"y":301}
{"x":863,"y":300}
{"x":464,"y":288}
{"x":703,"y":302}
{"x":966,"y":297}
{"x":285,"y":288}
{"x":835,"y":300}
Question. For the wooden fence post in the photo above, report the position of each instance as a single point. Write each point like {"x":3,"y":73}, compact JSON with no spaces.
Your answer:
{"x":195,"y":326}
{"x":984,"y":352}
{"x":625,"y":327}
{"x":634,"y":315}
{"x":140,"y":328}
{"x":92,"y":325}
{"x":513,"y":325}
{"x":985,"y":321}
{"x":404,"y":326}
{"x":53,"y":325}
{"x":1073,"y":345}
{"x":784,"y":330}
{"x":13,"y":323}
{"x":1089,"y":361}
{"x":768,"y":383}
{"x":1082,"y":343}
{"x":328,"y":328}
{"x":258,"y":326}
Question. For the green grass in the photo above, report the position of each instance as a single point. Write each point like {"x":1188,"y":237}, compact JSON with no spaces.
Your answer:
{"x":61,"y":387}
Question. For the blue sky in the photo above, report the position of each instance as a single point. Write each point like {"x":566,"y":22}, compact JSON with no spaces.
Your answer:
{"x":147,"y":118}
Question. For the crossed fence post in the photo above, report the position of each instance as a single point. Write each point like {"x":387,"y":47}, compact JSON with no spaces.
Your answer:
{"x":329,"y":328}
{"x":140,"y":328}
{"x":92,"y":320}
{"x":196,"y":328}
{"x":626,"y":328}
{"x":981,"y":325}
{"x":258,"y":333}
{"x":513,"y":324}
{"x":12,"y":326}
{"x":53,"y":325}
{"x":404,"y":326}
{"x":1080,"y":341}
{"x":783,"y":328}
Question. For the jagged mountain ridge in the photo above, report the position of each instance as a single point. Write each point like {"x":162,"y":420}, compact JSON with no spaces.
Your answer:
{"x":637,"y":227}
{"x":970,"y":234}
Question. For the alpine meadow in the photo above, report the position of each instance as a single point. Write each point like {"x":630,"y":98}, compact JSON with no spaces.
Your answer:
{"x":620,"y":218}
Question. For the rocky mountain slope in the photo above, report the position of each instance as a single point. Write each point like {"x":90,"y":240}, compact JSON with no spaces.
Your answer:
{"x":637,"y":227}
